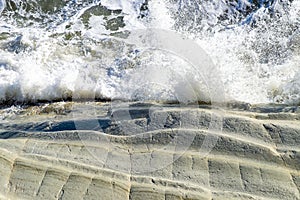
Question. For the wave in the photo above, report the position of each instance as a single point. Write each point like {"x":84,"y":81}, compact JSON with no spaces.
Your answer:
{"x":62,"y":50}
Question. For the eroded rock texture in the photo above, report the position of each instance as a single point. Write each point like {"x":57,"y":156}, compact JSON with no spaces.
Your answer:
{"x":149,"y":152}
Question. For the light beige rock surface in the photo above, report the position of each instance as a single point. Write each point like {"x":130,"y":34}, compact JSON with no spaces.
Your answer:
{"x":149,"y":155}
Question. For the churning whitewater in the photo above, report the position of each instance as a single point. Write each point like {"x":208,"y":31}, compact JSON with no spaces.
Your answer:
{"x":58,"y":50}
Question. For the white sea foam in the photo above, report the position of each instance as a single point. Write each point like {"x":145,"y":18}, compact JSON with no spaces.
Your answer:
{"x":78,"y":58}
{"x":2,"y":5}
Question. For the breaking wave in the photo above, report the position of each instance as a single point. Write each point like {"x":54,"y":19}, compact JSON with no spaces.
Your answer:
{"x":58,"y":50}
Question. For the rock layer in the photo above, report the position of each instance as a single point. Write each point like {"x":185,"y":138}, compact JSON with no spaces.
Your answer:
{"x":94,"y":151}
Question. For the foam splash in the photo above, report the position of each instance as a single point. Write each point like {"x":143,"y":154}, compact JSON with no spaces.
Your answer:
{"x":256,"y":47}
{"x":55,"y":50}
{"x":2,"y":6}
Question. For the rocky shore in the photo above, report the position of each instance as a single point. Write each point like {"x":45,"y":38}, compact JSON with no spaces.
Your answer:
{"x":149,"y":151}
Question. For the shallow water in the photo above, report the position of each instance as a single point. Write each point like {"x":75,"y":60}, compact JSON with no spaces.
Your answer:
{"x":72,"y":49}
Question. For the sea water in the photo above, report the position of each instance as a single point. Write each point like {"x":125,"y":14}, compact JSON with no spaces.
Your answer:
{"x":73,"y":49}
